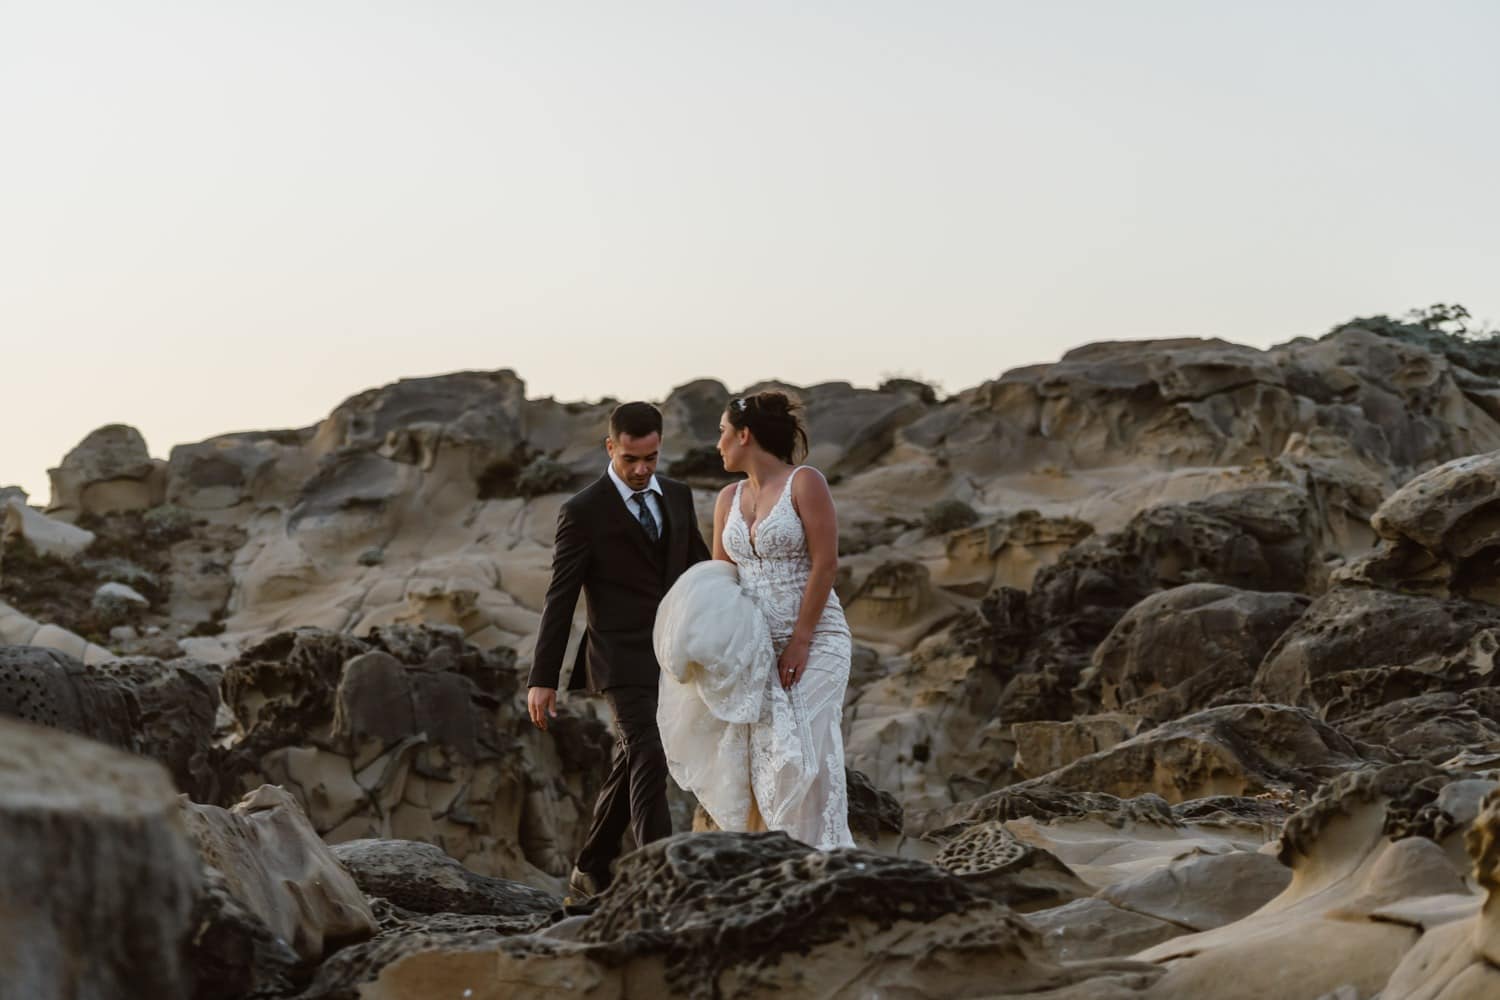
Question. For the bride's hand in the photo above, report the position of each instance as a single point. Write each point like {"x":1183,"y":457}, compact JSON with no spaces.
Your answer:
{"x":793,"y":662}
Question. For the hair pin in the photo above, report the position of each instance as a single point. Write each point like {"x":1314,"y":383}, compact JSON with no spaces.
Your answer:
{"x":739,"y":404}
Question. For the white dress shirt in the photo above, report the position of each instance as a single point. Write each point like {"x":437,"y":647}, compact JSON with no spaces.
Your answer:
{"x":653,"y":497}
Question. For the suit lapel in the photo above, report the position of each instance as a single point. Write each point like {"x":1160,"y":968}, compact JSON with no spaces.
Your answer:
{"x":677,"y":539}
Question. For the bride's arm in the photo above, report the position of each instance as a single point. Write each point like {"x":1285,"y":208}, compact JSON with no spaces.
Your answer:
{"x":721,"y":517}
{"x":820,"y":523}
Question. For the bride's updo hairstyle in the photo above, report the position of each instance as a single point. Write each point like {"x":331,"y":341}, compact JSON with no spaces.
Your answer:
{"x":775,"y":419}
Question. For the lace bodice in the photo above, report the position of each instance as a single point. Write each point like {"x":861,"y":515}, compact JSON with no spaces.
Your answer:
{"x":775,"y":565}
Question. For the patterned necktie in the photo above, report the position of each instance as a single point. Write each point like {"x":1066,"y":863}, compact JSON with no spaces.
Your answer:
{"x":647,"y":521}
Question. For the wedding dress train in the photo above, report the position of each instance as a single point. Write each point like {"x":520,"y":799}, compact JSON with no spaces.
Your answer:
{"x":754,"y":754}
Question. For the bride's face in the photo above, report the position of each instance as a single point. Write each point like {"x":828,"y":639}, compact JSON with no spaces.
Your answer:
{"x":733,"y":444}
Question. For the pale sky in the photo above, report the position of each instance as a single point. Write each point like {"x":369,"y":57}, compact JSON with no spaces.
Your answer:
{"x":222,"y":216}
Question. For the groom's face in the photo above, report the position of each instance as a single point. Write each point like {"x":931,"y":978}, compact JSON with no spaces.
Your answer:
{"x":634,"y":458}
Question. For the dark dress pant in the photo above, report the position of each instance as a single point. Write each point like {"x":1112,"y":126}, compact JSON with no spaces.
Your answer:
{"x":634,"y":796}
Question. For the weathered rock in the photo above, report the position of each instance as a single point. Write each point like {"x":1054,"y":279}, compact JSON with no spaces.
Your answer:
{"x":1179,"y":650}
{"x":99,"y":879}
{"x":898,"y":605}
{"x":1360,"y":854}
{"x":873,"y":814}
{"x":1092,"y":928}
{"x":690,"y":420}
{"x":1355,"y":649}
{"x":994,"y":863}
{"x":1200,"y":891}
{"x":1458,"y":960}
{"x":165,"y":711}
{"x":1257,"y":539}
{"x":412,"y":734}
{"x":1007,"y":552}
{"x":420,"y":878}
{"x":479,"y":416}
{"x":110,"y":470}
{"x":723,"y":915}
{"x":1234,"y":750}
{"x":1440,"y":533}
{"x":18,"y":629}
{"x":1043,"y":747}
{"x":1431,"y":726}
{"x":850,"y":428}
{"x":233,"y":955}
{"x":462,"y":938}
{"x":47,"y":536}
{"x":275,"y":865}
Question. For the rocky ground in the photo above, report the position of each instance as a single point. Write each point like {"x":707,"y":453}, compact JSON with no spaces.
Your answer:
{"x":1175,"y":678}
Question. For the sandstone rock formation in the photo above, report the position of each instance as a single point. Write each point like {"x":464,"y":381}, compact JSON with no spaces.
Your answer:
{"x":1174,"y":677}
{"x":99,"y":879}
{"x":1181,"y":649}
{"x":738,"y":915}
{"x":413,"y":734}
{"x":164,"y":711}
{"x":110,"y":470}
{"x":274,"y":864}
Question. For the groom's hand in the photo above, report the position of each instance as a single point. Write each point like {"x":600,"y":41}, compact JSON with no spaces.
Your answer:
{"x":541,"y":702}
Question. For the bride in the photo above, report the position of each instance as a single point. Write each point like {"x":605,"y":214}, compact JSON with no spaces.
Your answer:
{"x":753,"y":645}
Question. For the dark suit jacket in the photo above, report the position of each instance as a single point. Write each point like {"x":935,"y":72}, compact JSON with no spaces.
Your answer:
{"x":602,"y":550}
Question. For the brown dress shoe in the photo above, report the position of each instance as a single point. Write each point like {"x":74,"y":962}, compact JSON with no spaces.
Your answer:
{"x":582,"y":888}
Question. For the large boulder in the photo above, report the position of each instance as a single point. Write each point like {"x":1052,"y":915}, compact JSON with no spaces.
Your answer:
{"x":47,"y":536}
{"x":1440,"y":533}
{"x":1259,"y":538}
{"x":1241,"y":749}
{"x":721,"y":914}
{"x":1179,"y":650}
{"x":165,"y":711}
{"x":420,"y":878}
{"x":109,"y":470}
{"x":274,"y":864}
{"x":98,"y":877}
{"x":1356,"y":648}
{"x":412,"y":734}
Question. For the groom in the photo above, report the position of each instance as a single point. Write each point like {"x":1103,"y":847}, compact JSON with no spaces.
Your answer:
{"x":623,"y":541}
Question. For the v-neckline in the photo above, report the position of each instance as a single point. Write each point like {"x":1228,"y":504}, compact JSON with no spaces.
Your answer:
{"x":750,"y":527}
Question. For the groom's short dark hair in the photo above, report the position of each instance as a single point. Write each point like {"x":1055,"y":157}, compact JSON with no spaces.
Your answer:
{"x":637,"y":420}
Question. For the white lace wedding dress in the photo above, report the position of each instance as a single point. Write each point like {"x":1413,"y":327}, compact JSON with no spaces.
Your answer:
{"x":754,"y":754}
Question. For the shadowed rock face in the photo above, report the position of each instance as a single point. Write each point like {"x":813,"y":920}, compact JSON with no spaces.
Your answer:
{"x":164,"y":711}
{"x":740,"y":914}
{"x":98,"y":879}
{"x":1440,"y":533}
{"x":273,"y":863}
{"x":1258,"y":539}
{"x":412,"y":734}
{"x":420,"y":878}
{"x":1181,"y":649}
{"x":1233,"y":750}
{"x":1357,"y":648}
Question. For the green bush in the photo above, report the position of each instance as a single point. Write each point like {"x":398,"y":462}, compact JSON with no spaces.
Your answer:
{"x":543,"y":475}
{"x":166,"y":524}
{"x":948,"y":515}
